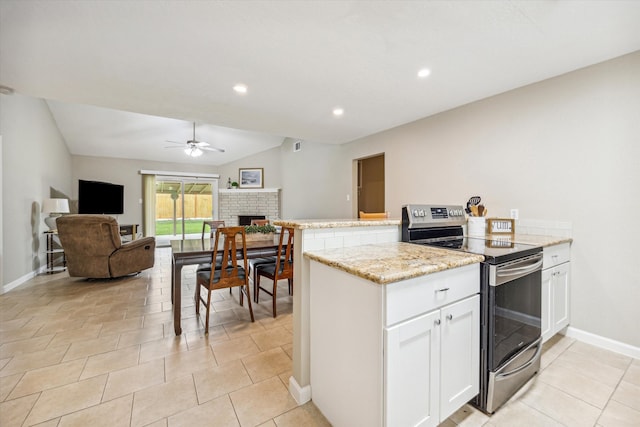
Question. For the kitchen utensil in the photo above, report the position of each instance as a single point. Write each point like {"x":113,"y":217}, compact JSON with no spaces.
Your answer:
{"x":475,"y":200}
{"x":480,"y":210}
{"x":474,"y":210}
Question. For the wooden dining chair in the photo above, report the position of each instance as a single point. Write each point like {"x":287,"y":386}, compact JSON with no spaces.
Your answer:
{"x":230,"y":274}
{"x":281,"y":268}
{"x":259,"y":222}
{"x":212,"y":227}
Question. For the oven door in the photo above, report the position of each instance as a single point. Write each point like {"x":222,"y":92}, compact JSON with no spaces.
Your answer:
{"x":514,"y":306}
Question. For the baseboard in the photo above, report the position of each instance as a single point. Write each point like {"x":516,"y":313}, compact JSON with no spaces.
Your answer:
{"x":300,"y":394}
{"x":20,"y":280}
{"x":602,"y":342}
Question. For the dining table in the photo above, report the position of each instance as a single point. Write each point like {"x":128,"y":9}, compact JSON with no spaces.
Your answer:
{"x":200,"y":251}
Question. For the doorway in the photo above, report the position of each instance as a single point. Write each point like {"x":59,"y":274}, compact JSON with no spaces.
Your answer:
{"x":182,"y":204}
{"x":370,"y":184}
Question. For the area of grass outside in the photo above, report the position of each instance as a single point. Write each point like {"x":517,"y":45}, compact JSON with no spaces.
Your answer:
{"x":165,"y":227}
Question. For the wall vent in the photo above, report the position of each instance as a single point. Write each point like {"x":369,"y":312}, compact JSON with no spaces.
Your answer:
{"x":297,"y":146}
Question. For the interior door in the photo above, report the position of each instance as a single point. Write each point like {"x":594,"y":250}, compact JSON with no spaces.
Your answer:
{"x":371,"y":184}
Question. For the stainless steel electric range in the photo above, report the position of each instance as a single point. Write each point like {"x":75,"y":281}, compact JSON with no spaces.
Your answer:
{"x":510,"y":298}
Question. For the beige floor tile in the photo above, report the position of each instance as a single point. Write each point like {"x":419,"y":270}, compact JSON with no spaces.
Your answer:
{"x":591,"y":367}
{"x":25,"y":346}
{"x":619,"y":415}
{"x":305,"y":415}
{"x":633,"y":373}
{"x":158,"y":318}
{"x":600,"y":355}
{"x":87,"y":332}
{"x":161,"y":348}
{"x":20,"y":334}
{"x":240,"y":328}
{"x":260,"y":402}
{"x":162,"y":401}
{"x":215,"y":413}
{"x":110,"y":414}
{"x":468,"y":416}
{"x":565,"y":377}
{"x":160,"y":423}
{"x":67,"y":399}
{"x":46,"y":378}
{"x":560,"y":406}
{"x":552,"y":348}
{"x":269,"y":423}
{"x":35,"y":360}
{"x":135,"y":378}
{"x":214,"y":382}
{"x":109,"y":315}
{"x":14,"y":324}
{"x":517,"y":414}
{"x":139,"y":336}
{"x":82,"y":349}
{"x":51,"y":423}
{"x":14,"y":412}
{"x":628,"y":394}
{"x":271,"y":338}
{"x":267,"y":364}
{"x":233,"y":349}
{"x":188,"y":362}
{"x":111,"y":361}
{"x":120,"y":326}
{"x":7,"y":384}
{"x":197,"y":339}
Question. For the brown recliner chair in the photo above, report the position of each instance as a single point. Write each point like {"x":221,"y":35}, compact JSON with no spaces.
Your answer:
{"x":93,"y":248}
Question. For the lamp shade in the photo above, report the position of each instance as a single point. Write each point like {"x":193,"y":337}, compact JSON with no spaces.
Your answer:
{"x":55,"y":206}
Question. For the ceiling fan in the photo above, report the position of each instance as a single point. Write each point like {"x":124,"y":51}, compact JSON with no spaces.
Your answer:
{"x":194,"y":147}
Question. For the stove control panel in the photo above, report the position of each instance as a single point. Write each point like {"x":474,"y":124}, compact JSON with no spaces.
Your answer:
{"x":433,"y":215}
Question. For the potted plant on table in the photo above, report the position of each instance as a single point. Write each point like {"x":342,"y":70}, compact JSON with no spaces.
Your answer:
{"x":259,"y":232}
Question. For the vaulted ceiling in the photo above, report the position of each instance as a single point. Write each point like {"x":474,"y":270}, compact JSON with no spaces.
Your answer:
{"x":122,"y":77}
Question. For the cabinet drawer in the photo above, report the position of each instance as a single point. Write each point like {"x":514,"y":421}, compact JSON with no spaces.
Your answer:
{"x":554,"y":255}
{"x":409,"y":298}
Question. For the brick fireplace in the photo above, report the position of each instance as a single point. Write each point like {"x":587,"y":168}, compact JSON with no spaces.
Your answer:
{"x":248,"y":203}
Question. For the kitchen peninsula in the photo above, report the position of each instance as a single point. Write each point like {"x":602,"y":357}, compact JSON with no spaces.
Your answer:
{"x":394,"y":333}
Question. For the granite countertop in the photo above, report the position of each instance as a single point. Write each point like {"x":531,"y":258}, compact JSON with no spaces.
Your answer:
{"x":531,"y":239}
{"x":301,"y":224}
{"x":385,"y":263}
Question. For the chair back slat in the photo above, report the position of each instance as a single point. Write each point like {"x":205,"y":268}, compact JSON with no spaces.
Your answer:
{"x":286,"y":262}
{"x":230,"y":273}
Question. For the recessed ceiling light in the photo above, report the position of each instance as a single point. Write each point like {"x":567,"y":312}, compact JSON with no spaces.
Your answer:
{"x":240,"y":88}
{"x":338,"y":111}
{"x":424,"y":73}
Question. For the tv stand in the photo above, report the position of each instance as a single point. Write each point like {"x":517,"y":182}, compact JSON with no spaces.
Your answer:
{"x":129,"y":230}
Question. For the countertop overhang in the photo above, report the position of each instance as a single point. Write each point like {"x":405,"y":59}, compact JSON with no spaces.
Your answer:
{"x":385,"y":263}
{"x":302,"y":224}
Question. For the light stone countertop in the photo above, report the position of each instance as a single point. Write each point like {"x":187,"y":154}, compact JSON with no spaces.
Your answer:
{"x":302,"y":224}
{"x":531,"y":239}
{"x":385,"y":263}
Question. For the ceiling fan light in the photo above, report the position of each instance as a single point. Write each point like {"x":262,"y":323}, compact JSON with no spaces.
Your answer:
{"x":193,"y":151}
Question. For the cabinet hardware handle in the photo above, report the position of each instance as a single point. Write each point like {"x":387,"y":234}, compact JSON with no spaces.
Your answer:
{"x":450,"y":316}
{"x":437,"y":322}
{"x":442,"y":290}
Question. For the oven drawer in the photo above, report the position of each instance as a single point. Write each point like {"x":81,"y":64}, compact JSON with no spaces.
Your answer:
{"x":410,"y":298}
{"x":555,"y":255}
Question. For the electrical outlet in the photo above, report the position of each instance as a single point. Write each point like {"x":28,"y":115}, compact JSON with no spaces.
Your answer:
{"x":348,"y":197}
{"x":514,"y":213}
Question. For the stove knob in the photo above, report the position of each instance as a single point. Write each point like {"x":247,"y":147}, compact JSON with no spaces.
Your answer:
{"x":422,"y":212}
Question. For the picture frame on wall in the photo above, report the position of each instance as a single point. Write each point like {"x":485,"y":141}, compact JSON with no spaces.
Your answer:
{"x":251,"y":178}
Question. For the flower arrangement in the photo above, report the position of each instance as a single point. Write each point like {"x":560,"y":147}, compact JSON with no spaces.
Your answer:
{"x":264,"y":229}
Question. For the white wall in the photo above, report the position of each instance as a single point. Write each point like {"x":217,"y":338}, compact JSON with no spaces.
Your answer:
{"x":35,"y":162}
{"x":125,"y":172}
{"x":269,"y":160}
{"x":565,"y":149}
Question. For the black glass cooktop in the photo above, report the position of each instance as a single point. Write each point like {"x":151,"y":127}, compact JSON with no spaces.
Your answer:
{"x":495,"y":251}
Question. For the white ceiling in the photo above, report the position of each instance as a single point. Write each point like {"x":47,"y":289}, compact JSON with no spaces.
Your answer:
{"x":299,"y":59}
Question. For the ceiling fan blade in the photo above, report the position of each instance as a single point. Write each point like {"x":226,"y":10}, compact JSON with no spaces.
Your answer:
{"x":174,"y":142}
{"x":175,"y":146}
{"x":220,"y":150}
{"x":200,"y":143}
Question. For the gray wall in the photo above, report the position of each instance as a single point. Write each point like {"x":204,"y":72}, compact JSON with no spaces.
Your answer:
{"x":565,"y":149}
{"x":35,"y":162}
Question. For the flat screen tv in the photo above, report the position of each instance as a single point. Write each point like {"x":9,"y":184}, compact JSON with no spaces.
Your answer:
{"x":95,"y":197}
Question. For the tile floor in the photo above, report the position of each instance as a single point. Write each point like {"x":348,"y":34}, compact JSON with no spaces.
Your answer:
{"x":78,"y":353}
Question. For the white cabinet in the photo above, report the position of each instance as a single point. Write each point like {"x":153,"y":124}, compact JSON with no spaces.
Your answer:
{"x":556,"y":289}
{"x":402,"y":354}
{"x":431,"y":364}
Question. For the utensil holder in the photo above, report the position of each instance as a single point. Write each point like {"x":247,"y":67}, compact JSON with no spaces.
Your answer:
{"x":476,"y":226}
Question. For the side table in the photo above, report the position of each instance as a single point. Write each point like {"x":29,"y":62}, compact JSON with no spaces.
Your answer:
{"x":54,"y":252}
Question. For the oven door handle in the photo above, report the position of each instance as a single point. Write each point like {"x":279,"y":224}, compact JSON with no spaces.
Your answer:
{"x":502,"y":275}
{"x":523,"y":367}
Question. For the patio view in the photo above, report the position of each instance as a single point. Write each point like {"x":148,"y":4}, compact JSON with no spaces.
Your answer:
{"x":181,"y":206}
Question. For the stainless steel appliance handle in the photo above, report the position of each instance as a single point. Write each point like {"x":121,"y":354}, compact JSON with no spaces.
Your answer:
{"x":523,"y":367}
{"x":502,"y":274}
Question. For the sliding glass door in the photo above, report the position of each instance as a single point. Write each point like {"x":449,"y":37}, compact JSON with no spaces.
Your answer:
{"x":182,"y":204}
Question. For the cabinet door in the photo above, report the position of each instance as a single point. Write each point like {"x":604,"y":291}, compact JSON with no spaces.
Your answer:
{"x":411,"y":372}
{"x":546,"y":321}
{"x":459,"y":354}
{"x":561,"y":292}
